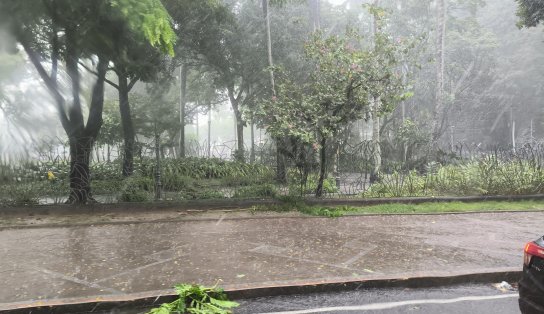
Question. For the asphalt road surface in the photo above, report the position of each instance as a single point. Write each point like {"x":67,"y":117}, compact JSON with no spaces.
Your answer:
{"x":478,"y":299}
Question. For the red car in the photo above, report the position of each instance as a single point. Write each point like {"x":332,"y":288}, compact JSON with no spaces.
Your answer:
{"x":531,"y":286}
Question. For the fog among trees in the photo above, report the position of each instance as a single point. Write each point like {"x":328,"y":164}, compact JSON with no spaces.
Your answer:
{"x":291,"y":85}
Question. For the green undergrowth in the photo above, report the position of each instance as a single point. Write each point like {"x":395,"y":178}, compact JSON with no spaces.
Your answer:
{"x":396,"y":208}
{"x":196,"y":299}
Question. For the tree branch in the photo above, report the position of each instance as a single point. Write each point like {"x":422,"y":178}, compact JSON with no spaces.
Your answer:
{"x":49,"y":83}
{"x":132,"y":82}
{"x":96,"y":74}
{"x":94,"y":122}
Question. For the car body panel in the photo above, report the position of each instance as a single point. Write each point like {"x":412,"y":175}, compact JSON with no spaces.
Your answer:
{"x":531,"y":285}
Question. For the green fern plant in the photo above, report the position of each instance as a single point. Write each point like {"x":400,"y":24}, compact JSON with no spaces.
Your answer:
{"x":197,"y":299}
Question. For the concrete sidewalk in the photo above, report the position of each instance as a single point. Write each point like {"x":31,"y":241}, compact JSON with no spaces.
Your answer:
{"x":117,"y":259}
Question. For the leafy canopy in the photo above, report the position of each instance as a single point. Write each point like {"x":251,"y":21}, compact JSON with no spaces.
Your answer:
{"x":345,"y":76}
{"x":530,"y":12}
{"x":149,"y":18}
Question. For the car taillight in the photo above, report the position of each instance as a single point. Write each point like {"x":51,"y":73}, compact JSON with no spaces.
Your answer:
{"x":532,"y":249}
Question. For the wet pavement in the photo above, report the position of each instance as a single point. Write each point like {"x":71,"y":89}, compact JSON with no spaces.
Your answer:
{"x":116,"y":259}
{"x":481,"y":299}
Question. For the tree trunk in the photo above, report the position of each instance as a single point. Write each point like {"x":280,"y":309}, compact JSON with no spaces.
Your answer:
{"x":322,"y":167}
{"x":240,"y":138}
{"x":239,"y":123}
{"x":281,"y":166}
{"x":315,"y":14}
{"x":209,"y":130}
{"x":281,"y":173}
{"x":80,"y":152}
{"x":128,"y":127}
{"x":440,"y":63}
{"x":239,"y":154}
{"x":182,"y":102}
{"x":252,"y":152}
{"x":82,"y":137}
{"x":376,"y":149}
{"x":269,"y":45}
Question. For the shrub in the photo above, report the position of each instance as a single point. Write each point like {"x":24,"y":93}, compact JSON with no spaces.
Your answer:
{"x":197,"y":299}
{"x":22,"y":194}
{"x":136,"y":189}
{"x":194,"y":193}
{"x":295,"y":188}
{"x":260,"y":190}
{"x":173,"y":182}
{"x":200,"y":168}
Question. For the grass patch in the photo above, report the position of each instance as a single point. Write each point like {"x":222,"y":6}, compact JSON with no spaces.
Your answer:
{"x":423,"y":208}
{"x":442,"y":207}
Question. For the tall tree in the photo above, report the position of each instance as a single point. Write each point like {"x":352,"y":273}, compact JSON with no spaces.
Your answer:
{"x":135,"y":61}
{"x":375,"y":111}
{"x":202,"y":25}
{"x":59,"y":30}
{"x":440,"y":64}
{"x":344,"y":78}
{"x":281,"y":172}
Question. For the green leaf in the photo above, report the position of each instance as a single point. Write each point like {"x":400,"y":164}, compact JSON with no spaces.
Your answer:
{"x":224,"y":303}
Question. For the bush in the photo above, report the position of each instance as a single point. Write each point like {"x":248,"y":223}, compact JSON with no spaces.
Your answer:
{"x":398,"y":184}
{"x":22,"y":194}
{"x":106,"y":186}
{"x":173,"y":182}
{"x":203,"y":168}
{"x":194,"y":193}
{"x":261,"y":190}
{"x":136,"y":189}
{"x":294,"y":179}
{"x":486,"y":176}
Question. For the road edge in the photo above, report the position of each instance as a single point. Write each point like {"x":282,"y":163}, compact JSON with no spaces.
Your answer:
{"x":238,"y":292}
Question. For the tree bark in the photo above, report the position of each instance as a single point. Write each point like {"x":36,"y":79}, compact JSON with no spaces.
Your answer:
{"x":209,"y":130}
{"x":440,"y":64}
{"x":182,"y":104}
{"x":322,"y":167}
{"x":126,"y":123}
{"x":82,"y":137}
{"x":240,"y":153}
{"x":80,"y":152}
{"x":281,"y":173}
{"x":252,"y":152}
{"x":315,"y":14}
{"x":376,"y":149}
{"x":269,"y":45}
{"x":235,"y":105}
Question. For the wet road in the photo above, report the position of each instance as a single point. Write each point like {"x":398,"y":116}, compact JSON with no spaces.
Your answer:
{"x":84,"y":261}
{"x":481,"y":299}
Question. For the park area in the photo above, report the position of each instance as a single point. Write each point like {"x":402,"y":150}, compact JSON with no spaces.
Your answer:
{"x":159,"y":151}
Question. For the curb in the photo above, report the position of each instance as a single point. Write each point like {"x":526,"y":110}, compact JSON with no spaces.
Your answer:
{"x":154,"y":298}
{"x":184,"y":219}
{"x":222,"y":204}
